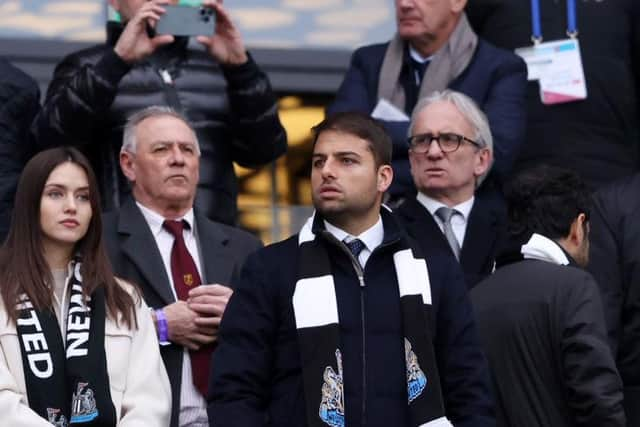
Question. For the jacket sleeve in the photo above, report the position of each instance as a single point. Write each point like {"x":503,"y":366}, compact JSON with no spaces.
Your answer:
{"x":259,"y":137}
{"x":15,"y":412}
{"x":238,"y":392}
{"x":147,"y":396}
{"x":462,"y":366}
{"x":77,"y":98}
{"x":593,"y":386}
{"x":635,"y":54}
{"x":505,"y":108}
{"x":606,"y":259}
{"x":355,"y":94}
{"x":19,"y":104}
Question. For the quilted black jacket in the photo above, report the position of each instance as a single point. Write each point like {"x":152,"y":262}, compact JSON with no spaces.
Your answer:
{"x":232,"y":109}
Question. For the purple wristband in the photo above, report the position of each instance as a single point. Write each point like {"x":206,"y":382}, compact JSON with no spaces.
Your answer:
{"x":163,"y":328}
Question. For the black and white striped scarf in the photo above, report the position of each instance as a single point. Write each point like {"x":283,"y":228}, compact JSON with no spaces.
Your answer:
{"x":317,"y":322}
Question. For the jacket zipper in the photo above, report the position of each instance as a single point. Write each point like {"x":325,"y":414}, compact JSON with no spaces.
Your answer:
{"x":360,"y":273}
{"x":170,"y":91}
{"x":364,"y":358}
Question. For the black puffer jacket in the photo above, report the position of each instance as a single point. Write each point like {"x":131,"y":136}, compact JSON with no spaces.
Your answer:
{"x":233,"y":110}
{"x":19,"y":103}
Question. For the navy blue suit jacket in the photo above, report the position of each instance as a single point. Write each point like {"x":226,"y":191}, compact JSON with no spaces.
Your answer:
{"x":496,"y":79}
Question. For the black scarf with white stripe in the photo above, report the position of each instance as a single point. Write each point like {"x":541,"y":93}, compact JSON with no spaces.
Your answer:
{"x":317,"y":322}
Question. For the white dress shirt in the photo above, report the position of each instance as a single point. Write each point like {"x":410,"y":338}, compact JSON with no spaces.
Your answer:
{"x":372,"y":238}
{"x":416,"y":56}
{"x":193,"y":406}
{"x":458,"y":221}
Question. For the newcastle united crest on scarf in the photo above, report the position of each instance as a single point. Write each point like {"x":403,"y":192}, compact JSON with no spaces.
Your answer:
{"x":56,"y":418}
{"x":83,"y":404}
{"x":332,"y":405}
{"x":416,"y":380}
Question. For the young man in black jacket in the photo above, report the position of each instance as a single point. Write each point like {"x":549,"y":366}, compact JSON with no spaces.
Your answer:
{"x":345,"y":324}
{"x":220,"y":89}
{"x":540,"y":316}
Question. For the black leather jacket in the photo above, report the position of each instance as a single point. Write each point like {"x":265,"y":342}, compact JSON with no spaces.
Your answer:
{"x":232,"y":109}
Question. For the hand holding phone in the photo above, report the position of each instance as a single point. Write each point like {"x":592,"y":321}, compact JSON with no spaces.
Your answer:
{"x":226,"y":44}
{"x":135,"y":42}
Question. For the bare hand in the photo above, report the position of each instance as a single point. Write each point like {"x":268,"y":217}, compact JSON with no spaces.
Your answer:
{"x":226,"y":44}
{"x":134,"y":43}
{"x":209,"y":300}
{"x":184,"y":329}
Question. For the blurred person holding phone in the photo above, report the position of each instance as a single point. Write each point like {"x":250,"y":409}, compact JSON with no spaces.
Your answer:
{"x":219,"y":88}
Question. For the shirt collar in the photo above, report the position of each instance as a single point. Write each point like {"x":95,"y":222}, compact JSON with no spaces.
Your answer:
{"x":372,"y":237}
{"x":432,"y":205}
{"x":155,"y":220}
{"x":415,"y":55}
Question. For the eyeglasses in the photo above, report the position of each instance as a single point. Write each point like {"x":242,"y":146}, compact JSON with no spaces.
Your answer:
{"x":448,"y":142}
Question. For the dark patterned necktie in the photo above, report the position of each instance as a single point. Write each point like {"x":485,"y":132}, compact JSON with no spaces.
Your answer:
{"x":355,"y":246}
{"x":186,"y":277}
{"x":419,"y":68}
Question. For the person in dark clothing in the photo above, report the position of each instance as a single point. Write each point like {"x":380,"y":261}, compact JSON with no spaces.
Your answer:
{"x":597,"y":137}
{"x":540,"y":316}
{"x":615,"y":264}
{"x":345,"y":324}
{"x":220,"y":89}
{"x":448,"y":213}
{"x":19,"y":104}
{"x":436,"y":49}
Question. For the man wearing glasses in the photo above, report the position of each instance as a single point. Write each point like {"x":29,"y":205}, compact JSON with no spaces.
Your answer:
{"x":451,"y":153}
{"x":434,"y":49}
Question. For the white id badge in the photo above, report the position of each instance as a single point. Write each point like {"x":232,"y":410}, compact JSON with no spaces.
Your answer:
{"x":557,"y":66}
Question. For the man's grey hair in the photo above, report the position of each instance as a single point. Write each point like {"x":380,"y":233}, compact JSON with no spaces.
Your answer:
{"x":129,"y":143}
{"x":469,"y":110}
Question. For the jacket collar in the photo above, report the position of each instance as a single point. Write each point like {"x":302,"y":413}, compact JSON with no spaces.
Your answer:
{"x":392,"y":230}
{"x":537,"y":247}
{"x":139,"y":245}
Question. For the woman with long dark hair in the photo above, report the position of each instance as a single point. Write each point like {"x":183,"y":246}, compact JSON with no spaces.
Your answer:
{"x":77,"y":345}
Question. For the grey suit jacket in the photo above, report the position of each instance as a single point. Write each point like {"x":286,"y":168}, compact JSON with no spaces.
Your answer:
{"x":135,"y":257}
